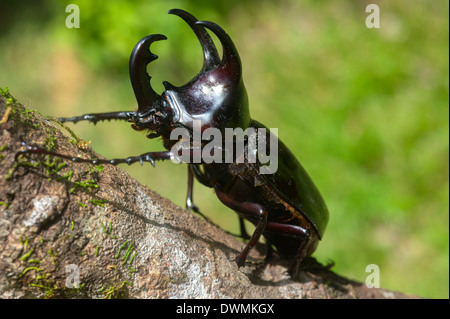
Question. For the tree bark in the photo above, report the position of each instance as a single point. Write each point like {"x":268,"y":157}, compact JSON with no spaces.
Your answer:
{"x":75,"y":230}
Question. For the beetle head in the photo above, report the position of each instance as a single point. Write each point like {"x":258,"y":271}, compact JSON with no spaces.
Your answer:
{"x":216,"y":96}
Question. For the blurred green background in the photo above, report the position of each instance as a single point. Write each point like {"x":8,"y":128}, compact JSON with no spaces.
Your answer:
{"x":365,"y":110}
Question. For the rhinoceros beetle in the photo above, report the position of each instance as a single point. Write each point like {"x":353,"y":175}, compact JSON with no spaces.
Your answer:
{"x":285,"y":206}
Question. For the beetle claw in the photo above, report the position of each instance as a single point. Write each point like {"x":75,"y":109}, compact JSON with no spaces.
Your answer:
{"x":150,"y":160}
{"x":239,"y":261}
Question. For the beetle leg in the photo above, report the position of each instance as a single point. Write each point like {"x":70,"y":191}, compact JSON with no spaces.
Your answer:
{"x":189,"y":201}
{"x":190,"y":206}
{"x":201,"y":177}
{"x":150,"y":157}
{"x":194,"y":170}
{"x":205,"y":181}
{"x":252,"y":210}
{"x":95,"y":117}
{"x":301,"y":253}
{"x":269,"y":252}
{"x":244,"y":233}
{"x":296,"y":232}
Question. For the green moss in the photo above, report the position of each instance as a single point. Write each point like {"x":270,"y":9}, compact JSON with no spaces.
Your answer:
{"x":52,"y":255}
{"x":116,"y":290}
{"x":53,"y":165}
{"x":132,"y":258}
{"x":120,"y":248}
{"x":107,"y":230}
{"x":29,"y":269}
{"x":11,"y":171}
{"x":10,"y":100}
{"x":49,"y":291}
{"x":6,"y":204}
{"x":2,"y":148}
{"x":98,"y":202}
{"x":127,"y":254}
{"x":68,"y":176}
{"x":43,"y":282}
{"x":23,"y":242}
{"x":96,"y":169}
{"x":27,"y":255}
{"x":50,"y":139}
{"x":87,"y":185}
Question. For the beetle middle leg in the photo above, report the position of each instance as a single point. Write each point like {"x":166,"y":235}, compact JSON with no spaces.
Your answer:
{"x":244,"y":234}
{"x":194,"y":171}
{"x":150,"y":157}
{"x":190,"y":206}
{"x":189,"y":201}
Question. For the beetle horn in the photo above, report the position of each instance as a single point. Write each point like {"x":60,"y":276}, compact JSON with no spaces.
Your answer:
{"x":140,"y":79}
{"x":230,"y":59}
{"x":211,"y":57}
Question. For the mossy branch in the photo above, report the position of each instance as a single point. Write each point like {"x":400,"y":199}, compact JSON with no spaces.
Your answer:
{"x":75,"y":230}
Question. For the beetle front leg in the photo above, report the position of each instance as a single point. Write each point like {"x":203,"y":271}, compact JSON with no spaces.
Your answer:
{"x":95,"y":117}
{"x":249,"y":209}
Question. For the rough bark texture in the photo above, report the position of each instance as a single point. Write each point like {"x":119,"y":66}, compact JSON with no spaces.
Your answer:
{"x":123,"y":239}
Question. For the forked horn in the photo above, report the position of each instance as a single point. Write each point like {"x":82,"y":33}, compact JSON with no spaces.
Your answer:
{"x":210,"y":55}
{"x":140,"y":79}
{"x":230,"y":58}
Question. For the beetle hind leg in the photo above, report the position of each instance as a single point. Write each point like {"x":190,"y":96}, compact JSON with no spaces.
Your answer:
{"x":301,"y":254}
{"x":298,"y":233}
{"x":253,"y":210}
{"x":150,"y":157}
